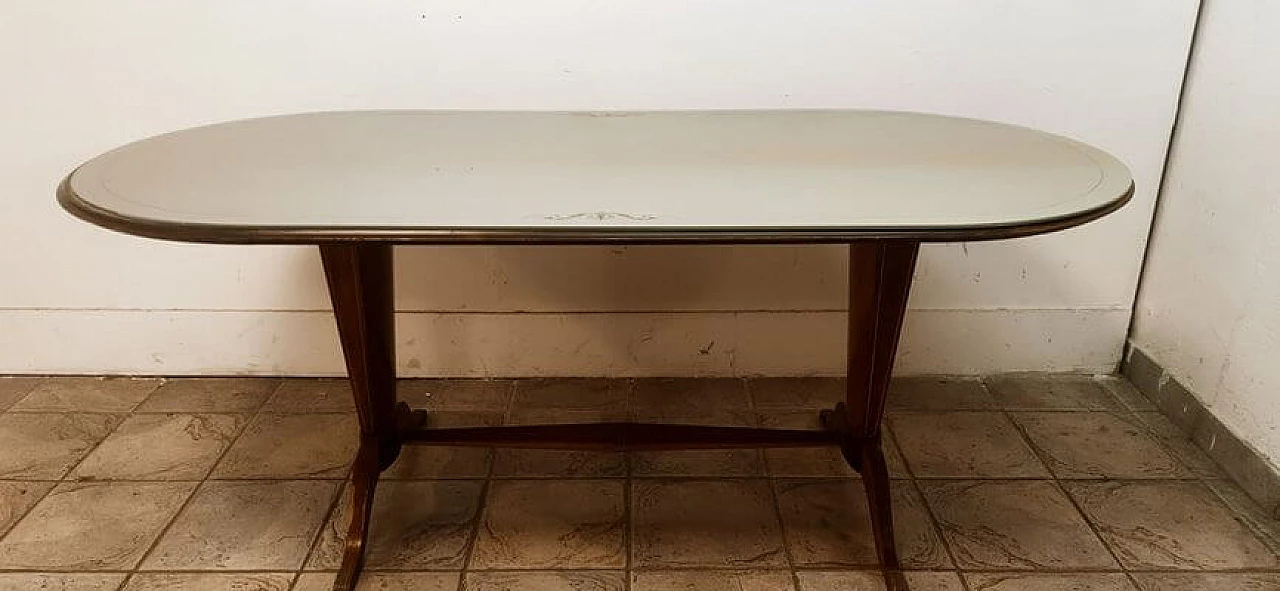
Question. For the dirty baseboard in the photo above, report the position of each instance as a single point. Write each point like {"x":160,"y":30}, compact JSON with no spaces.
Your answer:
{"x":1244,"y":464}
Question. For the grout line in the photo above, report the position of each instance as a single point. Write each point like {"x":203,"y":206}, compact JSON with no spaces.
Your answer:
{"x":140,"y":413}
{"x":482,"y":510}
{"x":66,"y":474}
{"x":71,"y":470}
{"x":1166,"y":445}
{"x":816,"y":568}
{"x":482,"y":505}
{"x":773,"y":488}
{"x":915,"y":481}
{"x":37,"y":381}
{"x":23,"y":515}
{"x":330,"y":514}
{"x":1238,"y":513}
{"x":199,"y":486}
{"x":1041,"y":456}
{"x":928,"y":508}
{"x":165,"y":530}
{"x":995,"y":410}
{"x":628,"y":504}
{"x":1186,"y":436}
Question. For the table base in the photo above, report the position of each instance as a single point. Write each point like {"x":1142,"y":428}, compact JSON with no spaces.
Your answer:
{"x":359,"y":276}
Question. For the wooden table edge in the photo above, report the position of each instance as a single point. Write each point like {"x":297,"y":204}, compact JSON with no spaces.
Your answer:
{"x":209,"y":233}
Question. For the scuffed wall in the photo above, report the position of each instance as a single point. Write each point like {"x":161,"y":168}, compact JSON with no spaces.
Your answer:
{"x":84,"y":77}
{"x":1209,"y":309}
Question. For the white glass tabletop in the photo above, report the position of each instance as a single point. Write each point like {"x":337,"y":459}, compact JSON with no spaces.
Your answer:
{"x":735,"y":176}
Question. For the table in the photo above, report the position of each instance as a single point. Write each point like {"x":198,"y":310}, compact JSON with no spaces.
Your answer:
{"x":358,"y":183}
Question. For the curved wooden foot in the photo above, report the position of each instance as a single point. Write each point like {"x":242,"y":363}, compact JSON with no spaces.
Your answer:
{"x":408,"y":419}
{"x":364,"y":480}
{"x":875,"y":477}
{"x":867,"y":457}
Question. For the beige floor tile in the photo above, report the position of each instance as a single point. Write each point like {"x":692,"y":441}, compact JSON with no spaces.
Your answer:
{"x":701,"y":462}
{"x":705,"y":523}
{"x":1207,"y":581}
{"x":841,"y":581}
{"x":86,"y":395}
{"x":805,"y":419}
{"x":46,"y":446}
{"x":717,"y":418}
{"x":60,"y":581}
{"x":573,"y":394}
{"x":92,"y":526}
{"x":1049,"y":582}
{"x":425,"y":462}
{"x":1050,"y":392}
{"x":796,"y":393}
{"x":420,"y":462}
{"x":964,"y":445}
{"x":938,"y":393}
{"x":1263,"y":523}
{"x":548,"y":416}
{"x":1098,"y":445}
{"x":1014,"y":525}
{"x":934,"y":581}
{"x":1170,"y":525}
{"x":478,"y":395}
{"x":1126,"y":393}
{"x":210,"y":395}
{"x":545,"y":581}
{"x":324,"y":581}
{"x":542,"y":463}
{"x":712,"y":580}
{"x":707,"y":412}
{"x":420,"y":524}
{"x":827,"y":525}
{"x":872,"y":581}
{"x":802,"y":461}
{"x":15,"y":388}
{"x":209,"y":582}
{"x":818,"y":462}
{"x":311,"y":395}
{"x":1179,"y":444}
{"x":161,"y":447}
{"x":244,"y":526}
{"x":447,"y":419}
{"x":372,"y":581}
{"x":16,"y":497}
{"x":657,"y":398}
{"x":546,"y":524}
{"x":892,"y":453}
{"x":292,"y":446}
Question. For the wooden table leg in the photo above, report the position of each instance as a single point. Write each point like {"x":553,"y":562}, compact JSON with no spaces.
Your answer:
{"x":879,"y":283}
{"x":360,"y":285}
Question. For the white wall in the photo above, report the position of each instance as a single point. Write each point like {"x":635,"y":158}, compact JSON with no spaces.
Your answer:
{"x":1209,"y":310}
{"x":81,"y":77}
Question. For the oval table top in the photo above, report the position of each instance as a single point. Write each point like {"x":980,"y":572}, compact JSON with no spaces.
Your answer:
{"x":597,"y":177}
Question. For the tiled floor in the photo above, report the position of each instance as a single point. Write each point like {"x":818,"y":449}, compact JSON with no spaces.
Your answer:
{"x":1012,"y":483}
